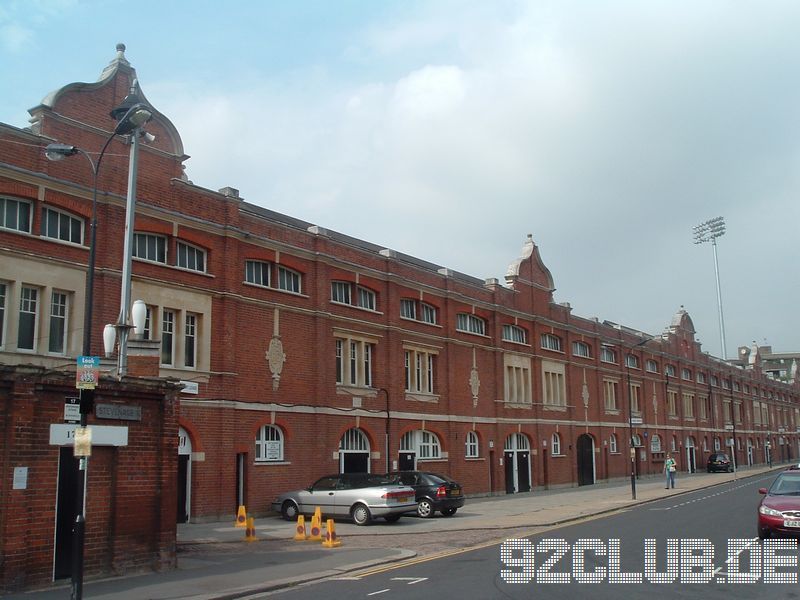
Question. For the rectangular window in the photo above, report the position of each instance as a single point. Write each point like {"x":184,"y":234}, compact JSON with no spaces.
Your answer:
{"x":28,"y":311}
{"x":58,"y":323}
{"x":652,"y":366}
{"x":470,"y":324}
{"x":632,"y":361}
{"x":353,"y":362}
{"x":419,"y":371}
{"x":514,"y":333}
{"x":288,"y":280}
{"x":366,"y":298}
{"x":555,"y":391}
{"x":686,"y":374}
{"x":148,"y":325}
{"x":257,"y":272}
{"x":607,"y":355}
{"x":190,"y":341}
{"x":167,"y":337}
{"x":61,"y":226}
{"x":191,"y":257}
{"x":15,"y":214}
{"x":517,"y":383}
{"x":672,"y":403}
{"x":408,"y":308}
{"x":688,"y":406}
{"x":702,"y":407}
{"x":340,"y":292}
{"x":636,"y":406}
{"x":610,"y":394}
{"x":150,"y":247}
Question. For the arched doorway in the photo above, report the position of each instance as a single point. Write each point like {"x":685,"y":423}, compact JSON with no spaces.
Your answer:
{"x":184,"y":476}
{"x":354,"y":452}
{"x":517,"y":453}
{"x":691,"y":459}
{"x":586,"y":467}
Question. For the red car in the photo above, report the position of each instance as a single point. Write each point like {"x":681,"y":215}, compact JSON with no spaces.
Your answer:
{"x":779,"y":509}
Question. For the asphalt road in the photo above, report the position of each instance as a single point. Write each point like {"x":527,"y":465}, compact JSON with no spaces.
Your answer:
{"x":599,"y":556}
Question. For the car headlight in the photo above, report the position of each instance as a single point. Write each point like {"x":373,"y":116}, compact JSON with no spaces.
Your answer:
{"x":766,"y":510}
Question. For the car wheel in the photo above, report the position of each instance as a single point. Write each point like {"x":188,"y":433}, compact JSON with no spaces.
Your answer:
{"x":425,"y":509}
{"x":449,"y":512}
{"x":392,"y":518}
{"x":361,"y":514}
{"x":289,"y":510}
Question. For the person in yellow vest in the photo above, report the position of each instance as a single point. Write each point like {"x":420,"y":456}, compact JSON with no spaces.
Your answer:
{"x":669,"y":469}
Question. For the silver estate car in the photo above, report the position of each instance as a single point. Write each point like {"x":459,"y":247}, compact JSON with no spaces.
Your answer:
{"x":357,"y":496}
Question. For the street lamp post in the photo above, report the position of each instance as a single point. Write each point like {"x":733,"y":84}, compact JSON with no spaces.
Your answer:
{"x":630,"y":419}
{"x":709,"y":231}
{"x":130,"y":119}
{"x":132,"y":115}
{"x":386,"y":435}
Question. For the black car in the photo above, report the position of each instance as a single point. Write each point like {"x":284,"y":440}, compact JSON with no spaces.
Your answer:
{"x":434,"y":492}
{"x":719,"y":461}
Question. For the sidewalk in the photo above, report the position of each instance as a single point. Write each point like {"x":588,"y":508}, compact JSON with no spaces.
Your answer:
{"x":215,"y":563}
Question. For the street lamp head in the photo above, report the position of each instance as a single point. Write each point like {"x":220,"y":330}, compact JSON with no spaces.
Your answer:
{"x":133,"y":118}
{"x":56,"y":152}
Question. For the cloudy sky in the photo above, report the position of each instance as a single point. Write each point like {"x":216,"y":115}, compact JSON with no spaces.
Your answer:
{"x":451,"y":130}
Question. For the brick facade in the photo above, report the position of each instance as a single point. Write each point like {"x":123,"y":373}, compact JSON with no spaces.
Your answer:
{"x":130,"y":506}
{"x":266,"y":354}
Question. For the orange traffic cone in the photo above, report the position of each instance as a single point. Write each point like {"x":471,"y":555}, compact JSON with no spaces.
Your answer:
{"x":300,"y":532}
{"x":331,"y":541}
{"x":250,"y":532}
{"x":241,"y":517}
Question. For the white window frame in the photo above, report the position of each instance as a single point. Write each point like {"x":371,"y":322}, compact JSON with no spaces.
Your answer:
{"x":190,"y":337}
{"x":341,"y":292}
{"x":353,"y":358}
{"x":610,"y":395}
{"x":429,"y":313}
{"x":59,"y":313}
{"x":517,"y":380}
{"x":582,"y":349}
{"x":290,"y":280}
{"x":686,"y":374}
{"x":550,"y":341}
{"x":419,"y":370}
{"x":655,"y":443}
{"x":669,"y":370}
{"x":29,"y":304}
{"x":472,"y":445}
{"x":269,"y":439}
{"x":515,"y":334}
{"x":62,"y":216}
{"x":429,"y":447}
{"x":651,"y":366}
{"x":554,"y":387}
{"x":193,"y":257}
{"x":366,"y":298}
{"x":469,"y":323}
{"x":22,"y":225}
{"x":258,"y":272}
{"x":612,"y":444}
{"x":608,"y":355}
{"x":631,"y":361}
{"x":143,"y":241}
{"x":168,"y":333}
{"x":408,"y":308}
{"x":555,"y":445}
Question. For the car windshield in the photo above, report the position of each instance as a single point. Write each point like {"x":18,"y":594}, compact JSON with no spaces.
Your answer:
{"x":786,"y":485}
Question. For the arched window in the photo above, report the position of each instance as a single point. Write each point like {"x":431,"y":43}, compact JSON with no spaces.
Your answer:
{"x":354,"y":440}
{"x":269,"y":444}
{"x":655,"y":443}
{"x":636,"y":440}
{"x":424,"y":443}
{"x":674,"y":444}
{"x":612,"y":443}
{"x":717,"y":445}
{"x":471,"y":447}
{"x":556,"y":444}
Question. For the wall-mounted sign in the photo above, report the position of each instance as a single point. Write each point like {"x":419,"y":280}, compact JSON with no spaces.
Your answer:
{"x":190,"y":387}
{"x":72,"y":410}
{"x":20,"y":478}
{"x":123,"y":412}
{"x":88,"y":372}
{"x":63,"y":434}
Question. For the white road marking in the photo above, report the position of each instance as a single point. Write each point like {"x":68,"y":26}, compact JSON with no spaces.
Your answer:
{"x":410,"y":580}
{"x":735,"y":557}
{"x":378,"y":592}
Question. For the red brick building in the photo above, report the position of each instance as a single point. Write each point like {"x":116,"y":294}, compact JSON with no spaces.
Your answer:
{"x":305,"y":351}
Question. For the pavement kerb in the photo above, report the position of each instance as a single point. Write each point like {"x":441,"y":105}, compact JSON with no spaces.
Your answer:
{"x":288,"y":582}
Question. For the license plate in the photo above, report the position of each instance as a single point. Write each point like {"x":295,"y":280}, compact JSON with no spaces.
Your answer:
{"x":403,"y":499}
{"x":791,"y":523}
{"x":455,"y":492}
